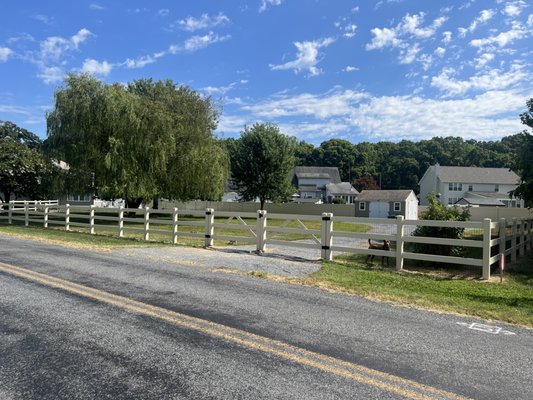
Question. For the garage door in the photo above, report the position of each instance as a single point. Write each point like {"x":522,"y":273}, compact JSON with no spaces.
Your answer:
{"x":379,"y":209}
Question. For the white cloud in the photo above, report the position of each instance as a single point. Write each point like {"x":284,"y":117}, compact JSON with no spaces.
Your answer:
{"x":45,"y":19}
{"x":55,"y":46}
{"x":199,"y":42}
{"x":514,"y":8}
{"x":349,"y":30}
{"x":411,"y":25}
{"x":494,"y":79}
{"x":205,"y":21}
{"x":5,"y":53}
{"x":504,"y":38}
{"x":334,"y":103}
{"x":96,"y":7}
{"x":413,"y":118}
{"x":383,"y":38}
{"x":408,"y":55}
{"x":268,"y":3}
{"x":141,"y":62}
{"x":13,"y":109}
{"x":446,"y":37}
{"x":51,"y":75}
{"x":222,"y":90}
{"x":163,"y":12}
{"x":484,"y":16}
{"x":96,"y":68}
{"x":349,"y":68}
{"x":483,"y":60}
{"x":439,"y":51}
{"x":306,"y":57}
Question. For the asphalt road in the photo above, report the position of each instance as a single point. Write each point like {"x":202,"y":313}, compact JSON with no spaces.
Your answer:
{"x":79,"y":324}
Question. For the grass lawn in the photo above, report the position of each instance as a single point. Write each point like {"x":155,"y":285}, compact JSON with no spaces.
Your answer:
{"x":510,"y":301}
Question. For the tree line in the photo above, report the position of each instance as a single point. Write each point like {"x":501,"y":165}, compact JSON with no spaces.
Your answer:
{"x":149,"y":139}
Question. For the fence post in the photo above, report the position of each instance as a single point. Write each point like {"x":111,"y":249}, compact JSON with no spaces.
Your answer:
{"x":528,"y":234}
{"x":67,"y":217}
{"x":91,"y":220}
{"x":175,"y":226}
{"x":399,"y":242}
{"x":209,"y":226}
{"x":26,"y":214}
{"x":327,"y":237}
{"x":521,"y":249}
{"x":121,"y":222}
{"x":503,"y":237}
{"x":146,"y":223}
{"x":10,"y":212}
{"x":514,"y":249}
{"x":45,"y":219}
{"x":486,"y":248}
{"x":261,"y":225}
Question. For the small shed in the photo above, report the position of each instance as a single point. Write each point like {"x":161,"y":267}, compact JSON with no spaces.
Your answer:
{"x":387,"y":204}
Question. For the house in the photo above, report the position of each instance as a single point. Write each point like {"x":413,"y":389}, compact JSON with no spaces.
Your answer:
{"x":387,"y":204}
{"x":450,"y":184}
{"x":343,"y":190}
{"x":312,"y":181}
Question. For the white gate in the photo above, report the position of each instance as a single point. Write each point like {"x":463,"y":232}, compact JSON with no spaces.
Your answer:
{"x":378,"y":209}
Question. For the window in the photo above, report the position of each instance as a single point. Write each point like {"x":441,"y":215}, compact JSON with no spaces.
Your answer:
{"x":362,"y":206}
{"x":496,"y":188}
{"x":452,"y":200}
{"x":84,"y":198}
{"x":455,"y":187}
{"x":397,"y":206}
{"x":470,"y":188}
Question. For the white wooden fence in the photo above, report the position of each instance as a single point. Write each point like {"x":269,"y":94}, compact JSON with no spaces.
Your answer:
{"x":507,"y":239}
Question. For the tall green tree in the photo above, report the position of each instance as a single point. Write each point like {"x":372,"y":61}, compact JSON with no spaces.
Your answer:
{"x":262,"y":162}
{"x":525,"y":159}
{"x":139,"y":141}
{"x":22,"y":165}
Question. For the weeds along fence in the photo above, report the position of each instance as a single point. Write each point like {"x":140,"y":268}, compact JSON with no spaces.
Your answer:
{"x":487,"y":243}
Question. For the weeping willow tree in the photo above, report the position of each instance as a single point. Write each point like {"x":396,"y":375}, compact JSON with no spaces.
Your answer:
{"x":138,"y":141}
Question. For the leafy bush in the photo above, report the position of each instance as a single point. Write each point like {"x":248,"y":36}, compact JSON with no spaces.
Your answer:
{"x":439,"y":212}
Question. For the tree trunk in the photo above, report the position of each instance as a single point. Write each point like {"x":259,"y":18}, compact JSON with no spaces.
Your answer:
{"x":133,"y":203}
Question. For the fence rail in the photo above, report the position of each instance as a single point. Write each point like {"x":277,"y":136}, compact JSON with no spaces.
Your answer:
{"x":509,"y":239}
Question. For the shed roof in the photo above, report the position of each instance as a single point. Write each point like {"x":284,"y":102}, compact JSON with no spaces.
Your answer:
{"x":480,"y":202}
{"x":384,"y":195}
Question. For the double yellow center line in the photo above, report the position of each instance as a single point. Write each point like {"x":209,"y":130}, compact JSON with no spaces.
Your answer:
{"x":387,"y":382}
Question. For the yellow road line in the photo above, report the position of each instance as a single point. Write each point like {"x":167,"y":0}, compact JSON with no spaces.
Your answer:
{"x":404,"y":387}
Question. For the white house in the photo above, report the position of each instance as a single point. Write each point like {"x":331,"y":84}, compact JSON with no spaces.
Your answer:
{"x":387,"y":204}
{"x":451,"y":184}
{"x":313,"y":183}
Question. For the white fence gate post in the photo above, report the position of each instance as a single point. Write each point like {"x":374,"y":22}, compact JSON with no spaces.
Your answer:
{"x":261,"y":228}
{"x":26,"y":214}
{"x":400,"y":228}
{"x":146,"y":233}
{"x":175,"y":226}
{"x":522,"y":248}
{"x":91,"y":220}
{"x":486,"y":248}
{"x":327,"y":237}
{"x":67,"y":217}
{"x":503,"y":237}
{"x":10,"y":212}
{"x":45,"y":219}
{"x":209,"y":226}
{"x":121,"y":222}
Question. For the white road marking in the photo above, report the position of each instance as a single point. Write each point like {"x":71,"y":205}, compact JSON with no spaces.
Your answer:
{"x":495,"y":330}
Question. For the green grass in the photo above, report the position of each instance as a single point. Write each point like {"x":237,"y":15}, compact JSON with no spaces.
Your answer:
{"x":510,"y":301}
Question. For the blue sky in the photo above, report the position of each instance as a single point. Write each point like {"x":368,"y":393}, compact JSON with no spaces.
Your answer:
{"x":320,"y":69}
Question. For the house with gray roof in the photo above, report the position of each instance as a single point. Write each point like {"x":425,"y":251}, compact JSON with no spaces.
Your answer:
{"x":312,"y":183}
{"x":343,"y":190}
{"x":387,"y":204}
{"x":451,"y":184}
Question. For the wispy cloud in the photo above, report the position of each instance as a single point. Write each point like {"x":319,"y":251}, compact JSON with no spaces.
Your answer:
{"x":96,"y":7}
{"x":8,"y":109}
{"x":191,"y":24}
{"x":518,"y":31}
{"x":54,"y":47}
{"x":484,"y":16}
{"x":96,"y":68}
{"x":5,"y":53}
{"x":265,"y":4}
{"x":307,"y":57}
{"x":45,"y":19}
{"x":514,"y":8}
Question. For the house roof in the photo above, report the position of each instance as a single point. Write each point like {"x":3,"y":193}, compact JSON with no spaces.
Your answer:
{"x":331,"y":173}
{"x":488,"y":195}
{"x":343,"y":188}
{"x":480,"y":201}
{"x":477,"y":175}
{"x":384,"y":195}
